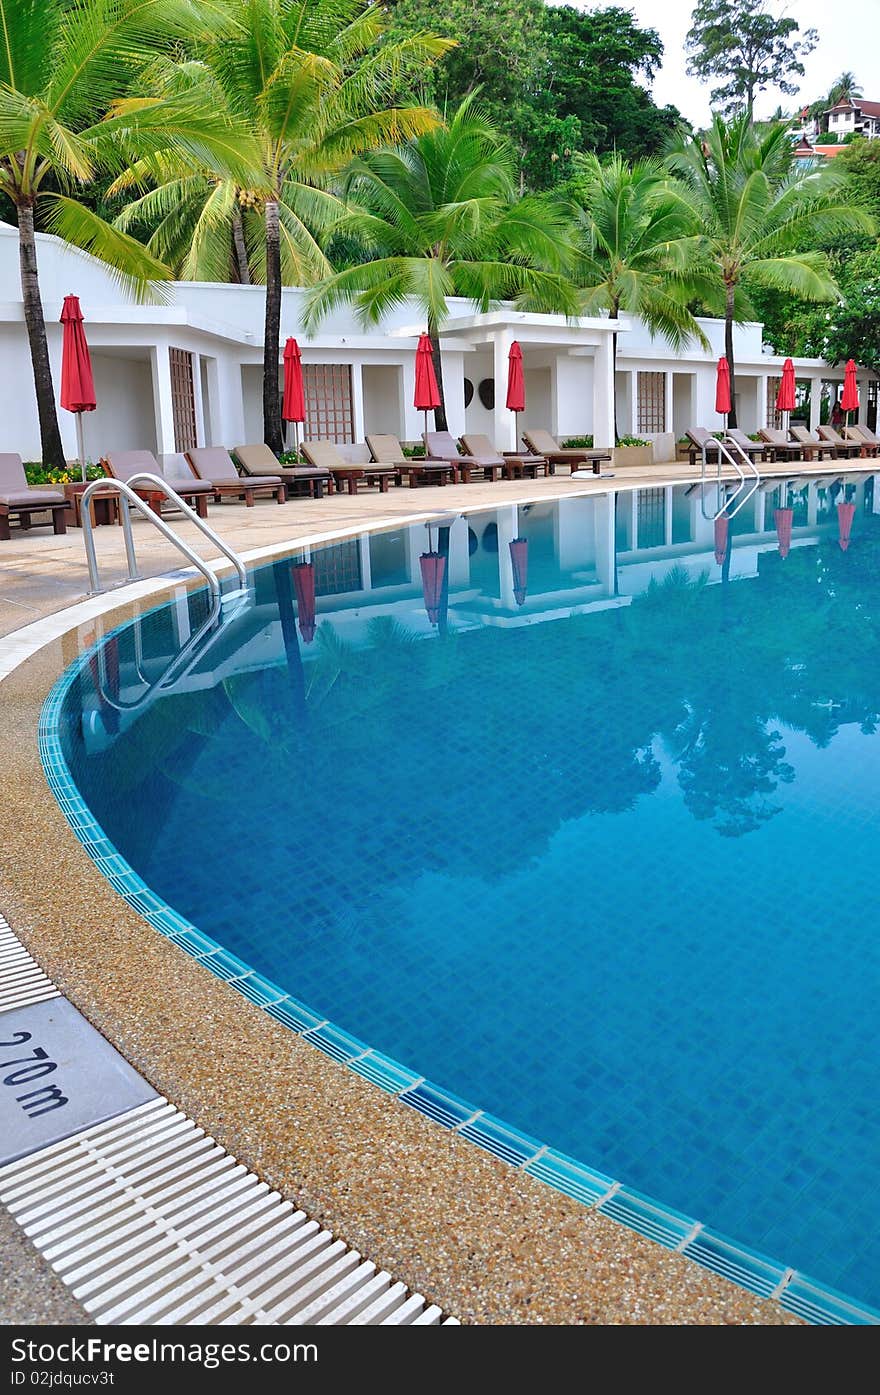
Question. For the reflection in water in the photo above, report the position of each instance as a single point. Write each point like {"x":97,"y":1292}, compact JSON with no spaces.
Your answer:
{"x":520,"y":823}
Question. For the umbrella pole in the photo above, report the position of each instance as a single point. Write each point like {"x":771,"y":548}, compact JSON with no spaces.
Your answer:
{"x":80,"y":445}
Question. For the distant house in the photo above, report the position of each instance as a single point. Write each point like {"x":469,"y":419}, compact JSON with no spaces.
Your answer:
{"x":852,"y":115}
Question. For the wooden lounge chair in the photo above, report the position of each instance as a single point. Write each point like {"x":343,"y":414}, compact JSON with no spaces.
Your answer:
{"x":514,"y":464}
{"x":540,"y":442}
{"x":867,"y":440}
{"x":781,"y":447}
{"x":387,"y":450}
{"x":846,"y":450}
{"x":813,"y":446}
{"x":442,"y":445}
{"x":123,"y":464}
{"x":216,"y":465}
{"x":325,"y":455}
{"x":698,"y":438}
{"x":258,"y":459}
{"x":19,"y":498}
{"x":755,"y":450}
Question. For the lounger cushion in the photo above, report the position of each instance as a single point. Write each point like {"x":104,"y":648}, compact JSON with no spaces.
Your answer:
{"x":323,"y":453}
{"x":31,"y":498}
{"x":214,"y":463}
{"x":386,"y":450}
{"x":125,"y":463}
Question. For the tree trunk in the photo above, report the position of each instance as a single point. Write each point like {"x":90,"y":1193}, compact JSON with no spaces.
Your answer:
{"x":272,"y":333}
{"x":50,"y":436}
{"x":728,"y":353}
{"x":240,"y":250}
{"x":440,"y":423}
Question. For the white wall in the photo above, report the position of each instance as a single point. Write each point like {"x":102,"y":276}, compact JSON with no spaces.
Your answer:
{"x":124,"y":418}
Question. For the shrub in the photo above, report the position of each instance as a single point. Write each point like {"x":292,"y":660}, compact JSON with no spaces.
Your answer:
{"x":578,"y":443}
{"x":414,"y":452}
{"x":38,"y":473}
{"x":289,"y":457}
{"x":632,"y":441}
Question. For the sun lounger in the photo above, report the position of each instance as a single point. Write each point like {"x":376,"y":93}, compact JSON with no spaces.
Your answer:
{"x":387,"y":450}
{"x":867,"y":440}
{"x":813,"y":446}
{"x":540,"y":442}
{"x":442,"y":445}
{"x":19,"y":498}
{"x":755,"y":450}
{"x":216,"y":465}
{"x":514,"y":464}
{"x":123,"y":464}
{"x":846,"y":450}
{"x":781,"y":448}
{"x":326,"y":456}
{"x":258,"y":459}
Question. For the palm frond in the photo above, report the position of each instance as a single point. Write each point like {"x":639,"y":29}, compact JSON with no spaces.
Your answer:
{"x":134,"y":267}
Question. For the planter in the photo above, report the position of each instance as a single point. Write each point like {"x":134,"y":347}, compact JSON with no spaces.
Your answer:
{"x":632,"y":457}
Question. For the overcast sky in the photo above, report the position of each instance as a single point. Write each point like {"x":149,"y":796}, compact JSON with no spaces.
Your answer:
{"x":849,"y":40}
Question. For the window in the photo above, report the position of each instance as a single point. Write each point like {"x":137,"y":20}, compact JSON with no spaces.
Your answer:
{"x":651,"y":389}
{"x":652,"y":513}
{"x":183,"y":401}
{"x":774,"y":418}
{"x":327,"y":390}
{"x":338,"y":568}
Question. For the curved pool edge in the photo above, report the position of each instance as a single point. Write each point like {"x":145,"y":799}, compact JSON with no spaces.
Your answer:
{"x":758,"y":1273}
{"x":685,"y":1298}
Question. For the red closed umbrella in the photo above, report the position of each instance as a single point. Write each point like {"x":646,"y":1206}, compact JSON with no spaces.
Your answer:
{"x":516,"y":385}
{"x":427,"y":393}
{"x":845,"y":515}
{"x":294,"y":406}
{"x":433,"y":569}
{"x":77,"y":380}
{"x":519,"y":561}
{"x":722,"y":387}
{"x":304,"y":585}
{"x":849,"y":402}
{"x":722,"y":528}
{"x":785,"y":397}
{"x":782,"y":518}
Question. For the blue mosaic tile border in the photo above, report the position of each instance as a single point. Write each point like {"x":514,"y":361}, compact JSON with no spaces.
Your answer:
{"x":797,"y":1293}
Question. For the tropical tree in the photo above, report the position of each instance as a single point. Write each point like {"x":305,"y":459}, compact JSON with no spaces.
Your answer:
{"x":65,"y":115}
{"x":756,"y":209}
{"x":844,"y":89}
{"x":439,"y":216}
{"x":637,"y":243}
{"x":745,"y":47}
{"x":313,"y":83}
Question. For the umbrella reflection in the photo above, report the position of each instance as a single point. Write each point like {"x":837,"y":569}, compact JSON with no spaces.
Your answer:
{"x":519,"y":560}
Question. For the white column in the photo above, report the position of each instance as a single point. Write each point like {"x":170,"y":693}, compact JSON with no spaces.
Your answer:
{"x":862,"y":418}
{"x":762,"y":401}
{"x":507,"y":521}
{"x":812,"y":505}
{"x":633,"y":427}
{"x":605,"y":542}
{"x":503,"y":428}
{"x":667,"y":515}
{"x":760,"y":501}
{"x":160,"y":363}
{"x":815,"y":402}
{"x":459,"y":562}
{"x":357,"y":401}
{"x":667,"y":403}
{"x":603,"y":393}
{"x":196,"y":360}
{"x":366,"y":569}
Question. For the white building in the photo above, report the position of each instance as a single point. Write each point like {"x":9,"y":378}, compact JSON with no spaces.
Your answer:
{"x":853,"y":116}
{"x":189,"y":371}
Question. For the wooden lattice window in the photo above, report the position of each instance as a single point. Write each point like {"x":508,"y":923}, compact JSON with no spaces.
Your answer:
{"x":183,"y":400}
{"x":651,"y":390}
{"x":871,"y":404}
{"x":652,"y":515}
{"x":327,"y":389}
{"x":774,"y":418}
{"x":338,"y":568}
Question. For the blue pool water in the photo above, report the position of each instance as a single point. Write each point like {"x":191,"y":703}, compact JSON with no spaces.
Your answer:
{"x":604,"y":864}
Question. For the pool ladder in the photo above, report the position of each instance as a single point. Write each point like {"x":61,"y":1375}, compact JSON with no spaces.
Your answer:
{"x":728,"y":449}
{"x":128,"y":499}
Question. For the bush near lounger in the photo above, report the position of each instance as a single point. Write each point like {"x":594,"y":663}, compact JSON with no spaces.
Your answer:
{"x":20,"y":498}
{"x":216,"y":465}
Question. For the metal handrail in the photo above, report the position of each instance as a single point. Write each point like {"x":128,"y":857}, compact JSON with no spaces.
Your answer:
{"x":721,"y":449}
{"x":127,"y":497}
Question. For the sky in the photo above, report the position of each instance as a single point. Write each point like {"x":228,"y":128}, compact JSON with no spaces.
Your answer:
{"x":849,"y":41}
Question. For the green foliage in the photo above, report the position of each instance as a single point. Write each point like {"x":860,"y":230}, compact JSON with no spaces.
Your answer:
{"x":554,"y":79}
{"x":38,"y":473}
{"x":632,"y":441}
{"x":578,"y":443}
{"x":852,"y":328}
{"x":747,"y":49}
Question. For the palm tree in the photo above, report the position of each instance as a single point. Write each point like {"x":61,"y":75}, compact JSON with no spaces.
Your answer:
{"x":311,"y":80}
{"x":844,"y":89}
{"x":757,"y":209}
{"x":65,"y":72}
{"x":438,"y":217}
{"x":637,"y":239}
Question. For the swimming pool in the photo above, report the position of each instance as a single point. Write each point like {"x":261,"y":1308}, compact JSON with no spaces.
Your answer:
{"x":598,"y":863}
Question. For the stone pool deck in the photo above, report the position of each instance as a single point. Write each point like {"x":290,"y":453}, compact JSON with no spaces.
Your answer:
{"x":476,"y":1236}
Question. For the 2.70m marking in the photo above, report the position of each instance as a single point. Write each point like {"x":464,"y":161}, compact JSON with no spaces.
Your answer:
{"x":31,"y":1067}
